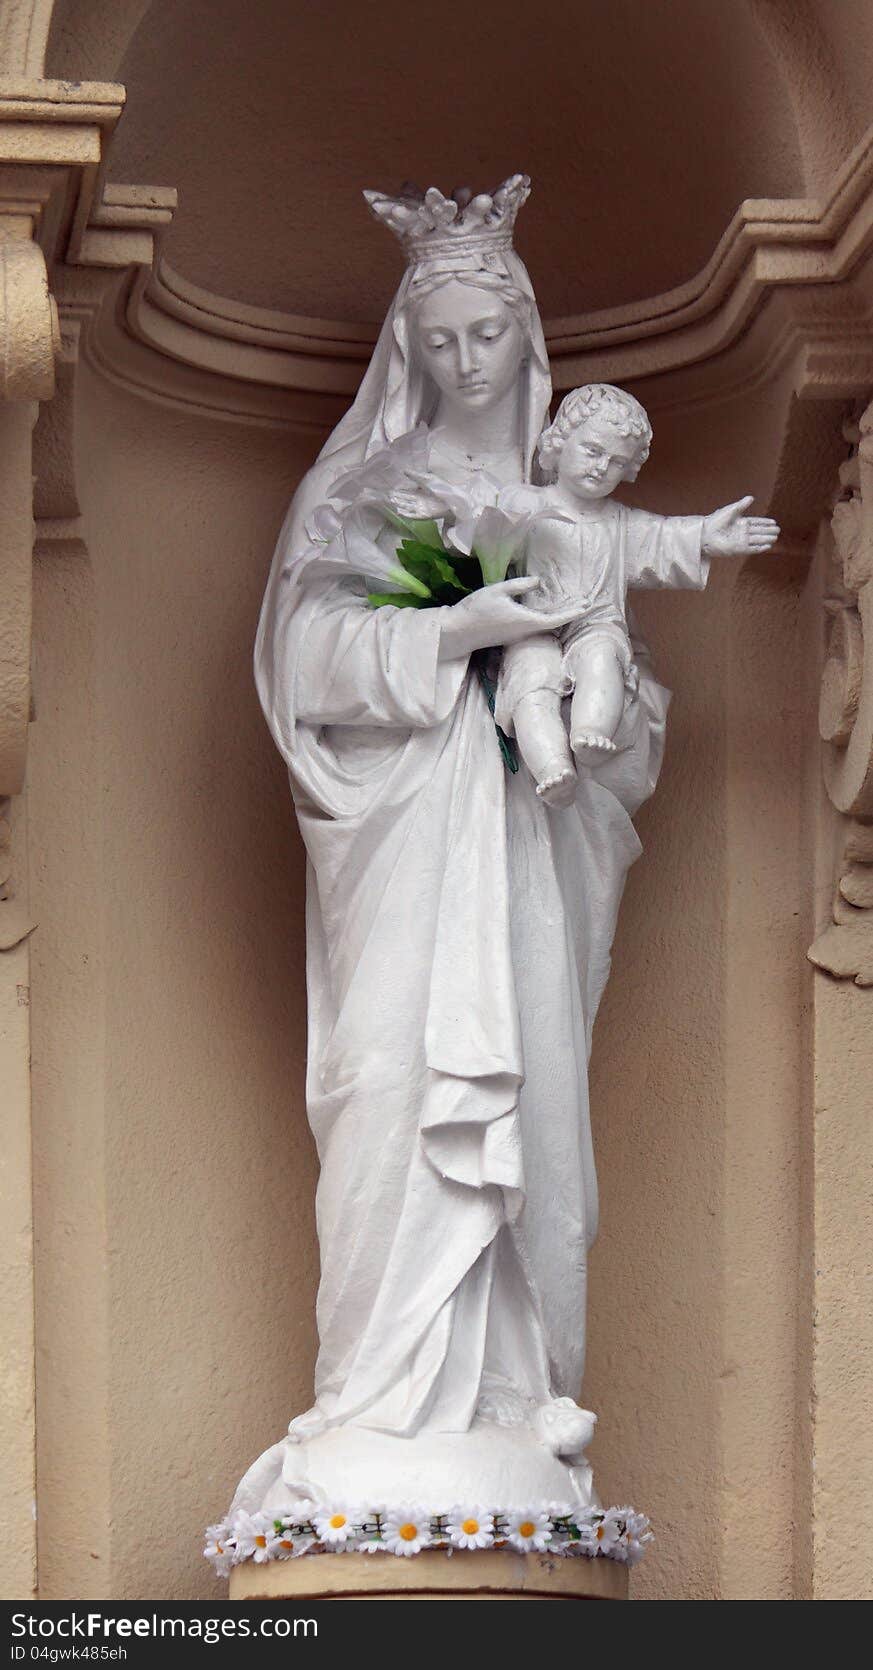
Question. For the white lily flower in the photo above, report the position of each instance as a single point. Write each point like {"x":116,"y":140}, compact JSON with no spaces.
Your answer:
{"x":364,"y":555}
{"x":324,"y":524}
{"x":386,"y":470}
{"x":456,"y":508}
{"x":498,"y":540}
{"x":355,"y":550}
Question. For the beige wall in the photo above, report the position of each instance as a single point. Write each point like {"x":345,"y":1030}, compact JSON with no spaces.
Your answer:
{"x":174,"y":1171}
{"x":175,"y":1259}
{"x":17,"y":1480}
{"x":696,"y":1092}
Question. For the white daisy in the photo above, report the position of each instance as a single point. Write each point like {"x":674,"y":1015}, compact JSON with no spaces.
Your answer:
{"x":406,"y":1530}
{"x":287,"y":1546}
{"x":631,"y":1543}
{"x":220,"y":1549}
{"x":252,"y":1533}
{"x":470,"y":1528}
{"x":335,"y":1527}
{"x":528,"y":1530}
{"x":602,"y":1533}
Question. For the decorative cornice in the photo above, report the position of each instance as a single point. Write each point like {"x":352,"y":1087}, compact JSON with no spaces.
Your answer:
{"x":798,"y":248}
{"x":55,"y":214}
{"x":770,"y":242}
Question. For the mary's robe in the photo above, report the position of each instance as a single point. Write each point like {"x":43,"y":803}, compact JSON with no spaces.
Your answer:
{"x":458,"y":942}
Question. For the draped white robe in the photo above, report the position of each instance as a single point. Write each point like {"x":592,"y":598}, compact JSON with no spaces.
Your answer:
{"x":458,"y":943}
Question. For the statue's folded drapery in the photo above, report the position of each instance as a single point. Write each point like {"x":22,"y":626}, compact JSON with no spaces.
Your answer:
{"x":459,"y":929}
{"x":459,"y":939}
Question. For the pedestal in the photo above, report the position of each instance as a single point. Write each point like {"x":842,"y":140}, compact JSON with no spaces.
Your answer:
{"x":431,"y":1576}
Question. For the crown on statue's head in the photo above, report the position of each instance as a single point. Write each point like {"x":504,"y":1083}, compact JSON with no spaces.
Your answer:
{"x":427,"y":223}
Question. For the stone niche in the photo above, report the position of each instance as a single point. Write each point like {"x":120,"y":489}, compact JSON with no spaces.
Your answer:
{"x":187,"y":174}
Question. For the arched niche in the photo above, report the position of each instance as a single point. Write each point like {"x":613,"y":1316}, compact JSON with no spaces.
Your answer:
{"x":271,"y":119}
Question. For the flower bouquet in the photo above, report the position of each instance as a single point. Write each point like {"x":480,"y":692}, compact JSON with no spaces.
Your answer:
{"x":419,"y":541}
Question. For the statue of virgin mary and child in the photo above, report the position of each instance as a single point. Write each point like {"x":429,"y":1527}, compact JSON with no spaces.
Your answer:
{"x":458,"y":943}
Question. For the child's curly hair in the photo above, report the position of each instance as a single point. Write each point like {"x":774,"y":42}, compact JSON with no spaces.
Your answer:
{"x":619,"y":408}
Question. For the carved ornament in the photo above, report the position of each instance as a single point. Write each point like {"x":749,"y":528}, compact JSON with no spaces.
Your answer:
{"x":845,"y":948}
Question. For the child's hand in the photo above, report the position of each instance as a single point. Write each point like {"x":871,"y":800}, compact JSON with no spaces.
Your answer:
{"x":728,"y":533}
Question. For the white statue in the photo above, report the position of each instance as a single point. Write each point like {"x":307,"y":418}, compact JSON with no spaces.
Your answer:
{"x":458,"y":928}
{"x":587,"y":548}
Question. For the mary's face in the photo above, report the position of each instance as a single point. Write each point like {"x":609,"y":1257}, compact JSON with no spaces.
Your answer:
{"x":470,"y":343}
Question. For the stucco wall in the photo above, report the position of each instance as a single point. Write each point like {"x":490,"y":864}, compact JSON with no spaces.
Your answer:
{"x":175,"y":1256}
{"x":174,"y":1170}
{"x":696,"y":1092}
{"x":175,"y":1174}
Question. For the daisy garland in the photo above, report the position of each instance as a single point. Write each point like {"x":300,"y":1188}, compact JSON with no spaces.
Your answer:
{"x":405,"y":1530}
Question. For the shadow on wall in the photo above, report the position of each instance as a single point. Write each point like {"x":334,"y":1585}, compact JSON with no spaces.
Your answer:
{"x":207,"y":1282}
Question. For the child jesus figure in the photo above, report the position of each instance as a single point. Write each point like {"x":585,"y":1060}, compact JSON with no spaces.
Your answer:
{"x":586,"y":548}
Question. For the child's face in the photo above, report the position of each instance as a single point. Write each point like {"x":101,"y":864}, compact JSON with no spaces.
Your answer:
{"x":595,"y":458}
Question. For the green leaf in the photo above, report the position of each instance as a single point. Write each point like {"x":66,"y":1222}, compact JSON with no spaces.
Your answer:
{"x":418,"y":561}
{"x":447,"y":572}
{"x":398,"y":600}
{"x":435,"y":568}
{"x":422,"y":531}
{"x":468,"y":571}
{"x":407,"y":577}
{"x":450,"y":575}
{"x":508,"y":750}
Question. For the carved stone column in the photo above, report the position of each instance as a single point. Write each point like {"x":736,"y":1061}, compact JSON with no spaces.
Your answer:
{"x":841,"y":1158}
{"x":845,"y":948}
{"x":28,"y":336}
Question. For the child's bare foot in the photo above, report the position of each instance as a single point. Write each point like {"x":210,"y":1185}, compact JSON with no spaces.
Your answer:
{"x":558,"y":786}
{"x":590,"y":747}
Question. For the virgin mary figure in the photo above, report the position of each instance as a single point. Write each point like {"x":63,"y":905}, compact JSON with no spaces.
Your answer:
{"x":458,"y":934}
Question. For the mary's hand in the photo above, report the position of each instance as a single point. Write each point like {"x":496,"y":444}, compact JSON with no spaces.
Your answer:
{"x":496,"y":616}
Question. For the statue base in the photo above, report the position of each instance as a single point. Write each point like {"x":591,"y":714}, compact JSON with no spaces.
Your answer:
{"x":431,"y":1575}
{"x":495,"y":1466}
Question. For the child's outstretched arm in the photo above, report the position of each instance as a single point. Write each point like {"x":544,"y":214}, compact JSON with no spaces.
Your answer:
{"x":674,"y":551}
{"x":729,"y":532}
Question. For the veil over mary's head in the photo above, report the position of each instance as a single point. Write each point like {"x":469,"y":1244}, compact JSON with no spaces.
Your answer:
{"x":461,"y":238}
{"x":395,"y":396}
